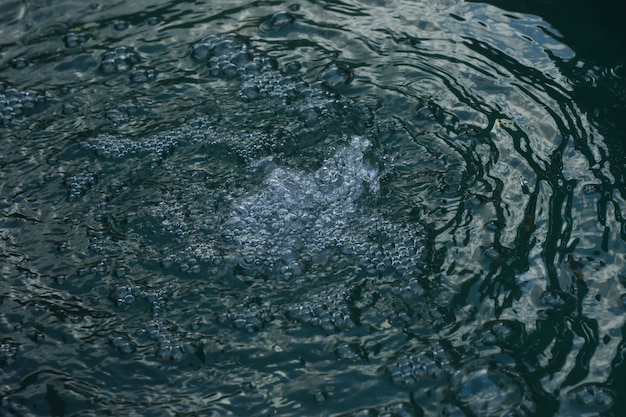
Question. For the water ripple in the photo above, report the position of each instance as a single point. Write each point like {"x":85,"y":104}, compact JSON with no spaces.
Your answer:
{"x":326,"y":208}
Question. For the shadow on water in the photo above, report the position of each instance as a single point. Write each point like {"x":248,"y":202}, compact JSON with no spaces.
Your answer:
{"x":319,"y":208}
{"x":597,"y":75}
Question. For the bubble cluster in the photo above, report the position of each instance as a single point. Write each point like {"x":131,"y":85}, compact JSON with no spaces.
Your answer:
{"x":122,"y":344}
{"x":100,"y":244}
{"x":593,"y":397}
{"x":118,"y":60}
{"x":78,"y":184}
{"x":127,"y":294}
{"x":433,"y":362}
{"x":306,"y":213}
{"x":251,"y":314}
{"x":591,"y":188}
{"x":159,"y":144}
{"x":15,"y":104}
{"x":157,"y":298}
{"x":275,"y":241}
{"x":169,"y":346}
{"x":230,"y":56}
{"x":8,"y":352}
{"x":111,"y":146}
{"x":328,"y":309}
{"x":143,"y":75}
{"x":295,"y":225}
{"x":75,"y":39}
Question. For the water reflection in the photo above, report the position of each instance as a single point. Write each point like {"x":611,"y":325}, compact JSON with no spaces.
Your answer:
{"x":398,"y":208}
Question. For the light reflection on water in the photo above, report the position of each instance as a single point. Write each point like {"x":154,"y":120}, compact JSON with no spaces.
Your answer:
{"x":337,"y":209}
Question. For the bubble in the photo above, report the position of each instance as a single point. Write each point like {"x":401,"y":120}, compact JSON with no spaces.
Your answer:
{"x":327,"y":310}
{"x":592,"y":397}
{"x":19,"y":63}
{"x":15,"y":104}
{"x":123,"y":345}
{"x":277,"y":22}
{"x":433,"y":362}
{"x":293,"y":67}
{"x":79,"y":184}
{"x":251,"y":315}
{"x":119,"y":25}
{"x":493,"y":226}
{"x":336,"y":76}
{"x":486,"y":389}
{"x":69,"y":109}
{"x":8,"y":353}
{"x":499,"y":333}
{"x":110,"y":146}
{"x":591,"y":188}
{"x":492,"y":253}
{"x":230,"y":56}
{"x":142,"y":76}
{"x":346,"y":352}
{"x":552,"y":299}
{"x":169,"y":346}
{"x":219,"y":45}
{"x":74,"y":40}
{"x":413,"y":289}
{"x":118,"y":60}
{"x":201,"y":51}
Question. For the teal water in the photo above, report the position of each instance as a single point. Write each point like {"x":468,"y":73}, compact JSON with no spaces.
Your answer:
{"x":377,"y":208}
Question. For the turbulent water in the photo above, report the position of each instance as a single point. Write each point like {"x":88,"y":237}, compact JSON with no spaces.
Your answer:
{"x":386,"y":208}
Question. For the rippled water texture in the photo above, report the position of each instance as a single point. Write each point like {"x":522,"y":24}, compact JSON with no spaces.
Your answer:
{"x":394,"y":208}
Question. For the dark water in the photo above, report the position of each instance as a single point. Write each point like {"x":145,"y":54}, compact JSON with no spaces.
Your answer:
{"x":385,"y":208}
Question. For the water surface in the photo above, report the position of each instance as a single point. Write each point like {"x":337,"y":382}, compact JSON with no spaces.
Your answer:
{"x":369,"y":208}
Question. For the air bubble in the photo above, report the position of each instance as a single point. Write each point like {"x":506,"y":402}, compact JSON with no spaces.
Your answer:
{"x":492,"y":253}
{"x":69,"y":109}
{"x":142,"y":76}
{"x":19,"y":63}
{"x":118,"y":60}
{"x":489,"y":389}
{"x":119,"y":25}
{"x":552,"y":299}
{"x":592,"y":397}
{"x":277,"y":22}
{"x":327,"y":310}
{"x":15,"y":104}
{"x":500,"y":332}
{"x":249,"y":315}
{"x":434,"y":362}
{"x":8,"y":353}
{"x":336,"y":76}
{"x":74,"y":40}
{"x":591,"y":188}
